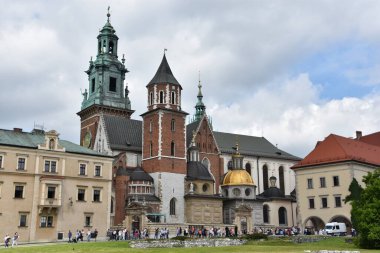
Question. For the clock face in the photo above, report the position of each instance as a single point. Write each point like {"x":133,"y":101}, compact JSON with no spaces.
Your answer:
{"x":87,"y":140}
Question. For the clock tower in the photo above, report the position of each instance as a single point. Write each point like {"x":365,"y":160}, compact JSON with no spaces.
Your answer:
{"x":106,"y":93}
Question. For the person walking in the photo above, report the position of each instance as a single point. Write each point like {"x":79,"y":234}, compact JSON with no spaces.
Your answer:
{"x":15,"y":239}
{"x":7,"y":238}
{"x":70,"y":235}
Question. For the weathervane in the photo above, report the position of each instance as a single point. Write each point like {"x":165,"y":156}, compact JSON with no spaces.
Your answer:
{"x":165,"y":50}
{"x":108,"y":14}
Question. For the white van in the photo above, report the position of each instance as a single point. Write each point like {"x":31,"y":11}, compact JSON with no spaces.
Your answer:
{"x":336,"y":228}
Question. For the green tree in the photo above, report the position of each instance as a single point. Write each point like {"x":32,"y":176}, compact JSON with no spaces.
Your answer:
{"x":366,"y":212}
{"x":355,"y":192}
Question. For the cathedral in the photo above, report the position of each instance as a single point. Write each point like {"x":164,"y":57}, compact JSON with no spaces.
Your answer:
{"x":167,"y":173}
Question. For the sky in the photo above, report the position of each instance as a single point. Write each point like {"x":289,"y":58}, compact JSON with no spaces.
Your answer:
{"x":291,"y":71}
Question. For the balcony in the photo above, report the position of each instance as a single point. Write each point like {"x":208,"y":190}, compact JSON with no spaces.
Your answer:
{"x":50,"y":202}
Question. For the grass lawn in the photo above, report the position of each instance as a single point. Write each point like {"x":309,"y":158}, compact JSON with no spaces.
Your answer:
{"x":334,"y":243}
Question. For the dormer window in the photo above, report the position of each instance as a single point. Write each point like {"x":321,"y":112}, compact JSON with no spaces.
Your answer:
{"x":51,"y":144}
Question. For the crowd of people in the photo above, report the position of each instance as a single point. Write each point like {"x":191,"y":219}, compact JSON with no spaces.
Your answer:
{"x":81,"y":235}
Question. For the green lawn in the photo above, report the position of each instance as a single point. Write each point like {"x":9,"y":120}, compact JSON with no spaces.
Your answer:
{"x":334,"y":243}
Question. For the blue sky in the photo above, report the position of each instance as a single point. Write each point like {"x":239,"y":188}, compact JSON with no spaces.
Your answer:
{"x":294,"y":71}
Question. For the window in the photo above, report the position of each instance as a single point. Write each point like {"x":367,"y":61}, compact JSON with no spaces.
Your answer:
{"x":322,"y":180}
{"x":338,"y":201}
{"x":336,"y":180}
{"x":172,"y":149}
{"x":51,"y":144}
{"x":151,"y":98}
{"x":229,"y":165}
{"x":50,"y":166}
{"x":46,"y":221}
{"x":161,"y":97}
{"x":23,"y":220}
{"x":282,"y":178}
{"x":19,"y":191}
{"x":309,"y":183}
{"x":87,"y":220}
{"x":150,"y":126}
{"x":172,"y":125}
{"x":110,"y":47}
{"x":82,"y":169}
{"x":81,"y":195}
{"x":266,"y":213}
{"x":282,"y":219}
{"x":248,"y":168}
{"x":247,"y":192}
{"x":236,"y":192}
{"x":311,"y":204}
{"x":98,"y":170}
{"x":151,"y":149}
{"x":96,"y":197}
{"x":112,"y":84}
{"x":324,"y":202}
{"x":1,"y":161}
{"x":21,"y":163}
{"x":173,"y":97}
{"x":172,"y":206}
{"x":205,"y":187}
{"x":51,"y":192}
{"x":265,"y":177}
{"x":92,"y":85}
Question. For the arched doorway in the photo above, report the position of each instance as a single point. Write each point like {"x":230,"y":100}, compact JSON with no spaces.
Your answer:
{"x":342,"y":219}
{"x":135,"y":223}
{"x":313,"y":224}
{"x":282,"y":216}
{"x":243,"y":225}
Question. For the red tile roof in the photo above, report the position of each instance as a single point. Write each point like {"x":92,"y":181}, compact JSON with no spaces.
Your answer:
{"x":336,"y":148}
{"x":373,"y":139}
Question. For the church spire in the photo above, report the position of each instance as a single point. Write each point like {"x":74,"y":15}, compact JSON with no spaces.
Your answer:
{"x":200,"y":108}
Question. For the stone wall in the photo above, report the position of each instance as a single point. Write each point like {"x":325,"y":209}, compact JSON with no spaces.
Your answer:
{"x":220,"y":242}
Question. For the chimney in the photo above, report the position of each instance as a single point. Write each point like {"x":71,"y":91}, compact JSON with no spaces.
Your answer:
{"x":17,"y":130}
{"x":359,"y":135}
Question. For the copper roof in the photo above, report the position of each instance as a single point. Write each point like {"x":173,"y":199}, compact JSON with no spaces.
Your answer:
{"x":335,"y":148}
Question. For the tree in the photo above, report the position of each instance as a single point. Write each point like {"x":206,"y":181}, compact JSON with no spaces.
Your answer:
{"x":366,"y":211}
{"x":355,"y":192}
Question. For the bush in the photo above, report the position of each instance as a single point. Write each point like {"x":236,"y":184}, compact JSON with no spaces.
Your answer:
{"x":256,"y":236}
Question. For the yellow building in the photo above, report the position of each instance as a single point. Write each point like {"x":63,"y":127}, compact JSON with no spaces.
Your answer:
{"x":323,"y":178}
{"x":49,"y":186}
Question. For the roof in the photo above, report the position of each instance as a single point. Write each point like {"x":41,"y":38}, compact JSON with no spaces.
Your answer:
{"x":335,"y":148}
{"x":164,"y":74}
{"x":373,"y":139}
{"x":32,"y":140}
{"x":140,"y":175}
{"x":237,"y":177}
{"x":190,"y":128}
{"x":250,"y":145}
{"x":196,"y":170}
{"x":273,"y":192}
{"x":123,"y":133}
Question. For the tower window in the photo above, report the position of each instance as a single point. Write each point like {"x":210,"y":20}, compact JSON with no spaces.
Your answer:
{"x":173,"y":97}
{"x":112,"y":84}
{"x":151,"y":149}
{"x":161,"y":97}
{"x":99,"y":47}
{"x":172,"y":149}
{"x":110,"y":47}
{"x":151,"y":98}
{"x":172,"y":125}
{"x":92,"y":85}
{"x":150,"y":126}
{"x":172,"y":206}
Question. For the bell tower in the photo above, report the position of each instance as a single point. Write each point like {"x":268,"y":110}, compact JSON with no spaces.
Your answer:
{"x":164,"y":124}
{"x":106,"y":93}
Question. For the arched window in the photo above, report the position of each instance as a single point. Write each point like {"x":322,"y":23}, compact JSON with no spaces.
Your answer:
{"x":229,"y":165}
{"x":161,"y":97}
{"x":172,"y":125}
{"x":172,"y":206}
{"x":266,"y":213}
{"x":248,"y":168}
{"x":173,"y":97}
{"x":151,"y":98}
{"x":282,"y":217}
{"x":51,"y":144}
{"x":172,"y":148}
{"x":151,"y":149}
{"x":110,"y":47}
{"x":282,"y":179}
{"x":104,"y":46}
{"x":265,"y":177}
{"x":112,"y":205}
{"x":99,"y":47}
{"x":150,"y":126}
{"x":206,"y":162}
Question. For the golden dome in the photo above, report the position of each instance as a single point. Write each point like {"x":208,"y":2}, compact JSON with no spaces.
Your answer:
{"x":238,"y":177}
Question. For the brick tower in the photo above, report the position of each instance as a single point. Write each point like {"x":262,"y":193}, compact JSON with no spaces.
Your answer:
{"x":164,"y":141}
{"x":105,"y":93}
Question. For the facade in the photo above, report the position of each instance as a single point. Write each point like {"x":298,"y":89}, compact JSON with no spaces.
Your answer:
{"x":177,"y":187}
{"x":324,"y":175}
{"x":49,"y":186}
